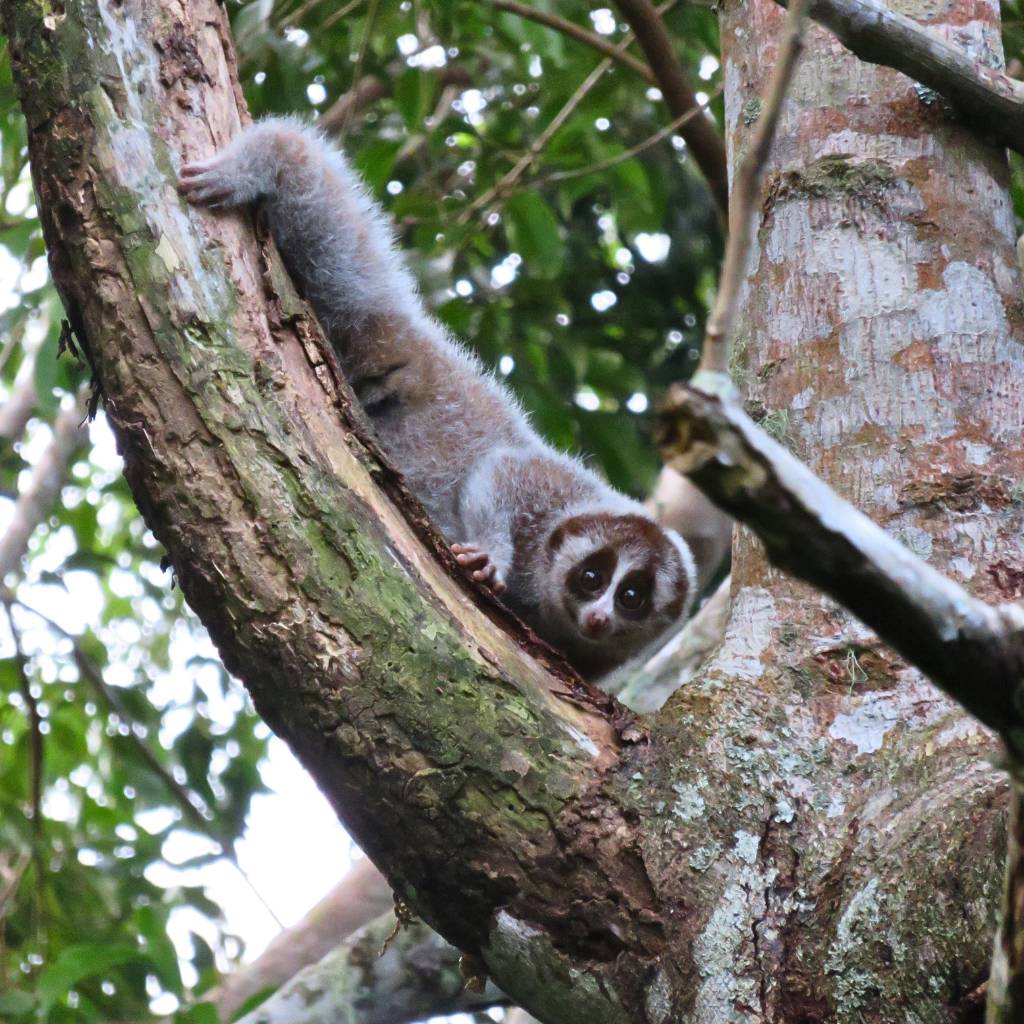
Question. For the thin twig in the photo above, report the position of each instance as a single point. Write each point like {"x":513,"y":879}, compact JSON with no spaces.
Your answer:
{"x":357,"y":71}
{"x":525,"y":162}
{"x":747,"y":195}
{"x":344,"y":12}
{"x":628,"y":154}
{"x":35,"y":723}
{"x":12,"y":879}
{"x":702,"y":137}
{"x":580,"y":34}
{"x":299,"y":13}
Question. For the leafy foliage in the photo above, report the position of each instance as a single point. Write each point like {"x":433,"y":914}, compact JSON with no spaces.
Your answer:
{"x":580,"y":272}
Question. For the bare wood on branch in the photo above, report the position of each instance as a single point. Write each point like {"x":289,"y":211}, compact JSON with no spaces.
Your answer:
{"x":879,"y":35}
{"x":972,"y":650}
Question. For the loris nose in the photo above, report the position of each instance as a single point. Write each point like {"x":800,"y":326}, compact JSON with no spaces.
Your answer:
{"x":595,"y":623}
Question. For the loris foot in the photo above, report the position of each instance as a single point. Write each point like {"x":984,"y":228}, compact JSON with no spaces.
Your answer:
{"x":479,"y":565}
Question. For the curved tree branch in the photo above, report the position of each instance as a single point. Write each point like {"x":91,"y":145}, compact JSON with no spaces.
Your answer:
{"x":598,"y":877}
{"x":468,"y":771}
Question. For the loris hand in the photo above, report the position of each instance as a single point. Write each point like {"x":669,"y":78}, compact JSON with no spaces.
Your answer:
{"x":479,"y":565}
{"x":247,"y":168}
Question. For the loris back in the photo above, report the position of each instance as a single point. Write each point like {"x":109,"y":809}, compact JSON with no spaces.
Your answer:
{"x":521,"y":517}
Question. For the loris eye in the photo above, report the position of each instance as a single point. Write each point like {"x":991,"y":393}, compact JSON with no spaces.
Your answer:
{"x":633,"y":599}
{"x":591,"y":580}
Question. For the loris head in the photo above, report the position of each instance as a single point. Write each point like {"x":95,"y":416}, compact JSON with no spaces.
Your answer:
{"x":613,"y":583}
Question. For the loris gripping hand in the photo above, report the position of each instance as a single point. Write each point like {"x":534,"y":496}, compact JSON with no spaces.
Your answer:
{"x":587,"y":567}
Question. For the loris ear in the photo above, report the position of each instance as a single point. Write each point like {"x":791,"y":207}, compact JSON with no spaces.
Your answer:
{"x":689,"y":567}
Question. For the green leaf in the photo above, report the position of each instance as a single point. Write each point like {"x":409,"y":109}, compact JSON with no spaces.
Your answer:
{"x":201,"y":1013}
{"x":409,"y":97}
{"x":77,"y":963}
{"x":533,"y":233}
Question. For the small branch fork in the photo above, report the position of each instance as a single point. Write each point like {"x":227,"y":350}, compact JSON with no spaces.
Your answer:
{"x":868,"y":28}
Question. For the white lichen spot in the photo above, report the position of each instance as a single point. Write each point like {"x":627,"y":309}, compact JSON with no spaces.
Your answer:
{"x":963,"y":568}
{"x":749,"y":634}
{"x":913,"y":705}
{"x":963,"y":728}
{"x":747,"y":845}
{"x":168,"y":255}
{"x":658,"y":999}
{"x":689,"y":803}
{"x":836,"y":806}
{"x":860,"y":923}
{"x":785,"y":812}
{"x":716,"y":953}
{"x":977,"y":454}
{"x":919,"y":541}
{"x":703,"y":857}
{"x":802,"y":399}
{"x":582,"y":740}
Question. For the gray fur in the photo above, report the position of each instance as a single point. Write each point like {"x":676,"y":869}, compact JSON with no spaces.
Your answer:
{"x":464,"y":445}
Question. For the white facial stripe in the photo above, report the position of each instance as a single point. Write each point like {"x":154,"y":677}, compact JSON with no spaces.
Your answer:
{"x":576,"y":549}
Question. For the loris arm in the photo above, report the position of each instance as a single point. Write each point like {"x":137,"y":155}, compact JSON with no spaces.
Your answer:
{"x":485,"y":514}
{"x":334,"y":238}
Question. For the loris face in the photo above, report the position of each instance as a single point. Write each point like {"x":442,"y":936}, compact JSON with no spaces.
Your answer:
{"x":615,"y":583}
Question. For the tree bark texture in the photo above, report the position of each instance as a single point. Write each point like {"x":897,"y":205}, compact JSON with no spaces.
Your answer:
{"x":810,"y":832}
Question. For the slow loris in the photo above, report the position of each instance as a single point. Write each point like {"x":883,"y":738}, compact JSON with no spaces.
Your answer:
{"x":586,"y":567}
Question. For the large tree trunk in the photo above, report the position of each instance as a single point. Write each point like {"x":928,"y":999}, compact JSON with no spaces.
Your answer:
{"x":811,"y":831}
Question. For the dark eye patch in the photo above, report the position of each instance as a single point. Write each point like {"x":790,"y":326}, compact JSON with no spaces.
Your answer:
{"x":590,"y":578}
{"x":633,"y":597}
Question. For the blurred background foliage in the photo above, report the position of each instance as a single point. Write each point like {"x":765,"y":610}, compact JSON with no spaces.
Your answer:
{"x":580,"y":272}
